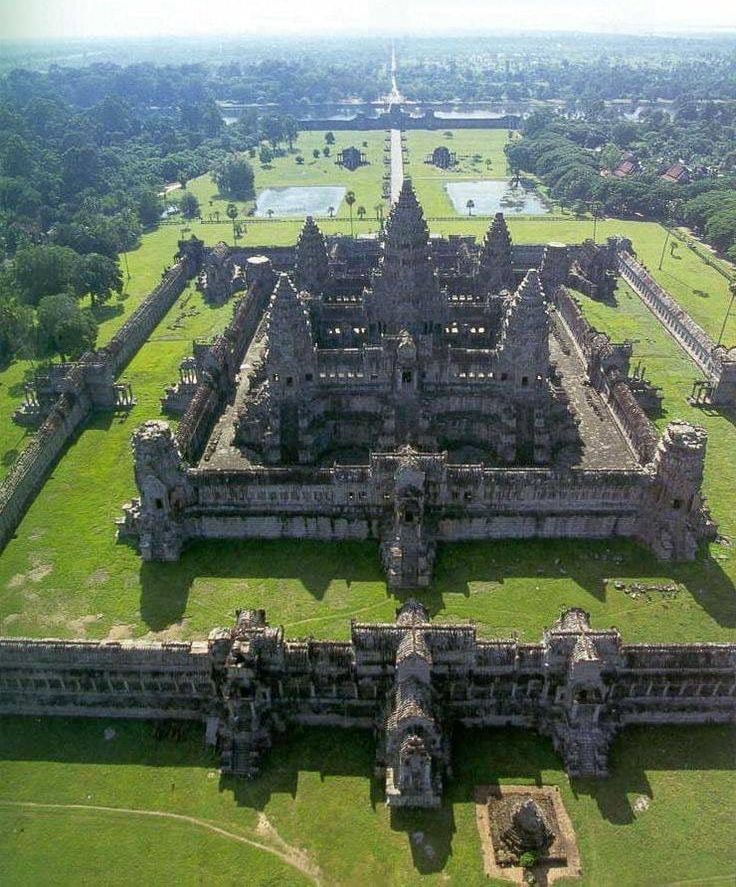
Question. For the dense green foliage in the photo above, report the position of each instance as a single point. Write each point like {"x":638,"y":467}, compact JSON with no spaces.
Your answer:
{"x":85,"y":154}
{"x":574,"y":157}
{"x":234,"y":177}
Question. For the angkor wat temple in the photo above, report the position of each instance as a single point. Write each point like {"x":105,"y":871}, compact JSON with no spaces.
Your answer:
{"x":413,"y":390}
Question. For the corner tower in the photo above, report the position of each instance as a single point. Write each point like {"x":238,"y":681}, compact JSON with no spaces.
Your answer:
{"x":495,"y":267}
{"x":311,"y":267}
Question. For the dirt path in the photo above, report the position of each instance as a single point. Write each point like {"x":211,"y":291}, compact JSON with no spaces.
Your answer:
{"x":286,"y":853}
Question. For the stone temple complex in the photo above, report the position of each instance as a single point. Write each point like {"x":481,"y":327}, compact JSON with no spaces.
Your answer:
{"x":413,"y":391}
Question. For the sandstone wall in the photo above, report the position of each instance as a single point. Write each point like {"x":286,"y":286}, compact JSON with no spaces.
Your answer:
{"x":678,"y":323}
{"x":88,"y":385}
{"x":604,"y":368}
{"x":105,"y":679}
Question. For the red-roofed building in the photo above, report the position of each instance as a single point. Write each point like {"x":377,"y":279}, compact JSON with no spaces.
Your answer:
{"x":677,"y":173}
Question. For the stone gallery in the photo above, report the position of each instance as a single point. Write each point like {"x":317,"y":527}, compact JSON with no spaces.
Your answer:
{"x":408,"y":681}
{"x":413,"y":391}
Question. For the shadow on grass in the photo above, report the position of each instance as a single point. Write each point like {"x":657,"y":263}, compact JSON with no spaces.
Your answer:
{"x":165,"y":587}
{"x":480,"y":757}
{"x":588,"y":563}
{"x":727,"y":413}
{"x":637,"y":750}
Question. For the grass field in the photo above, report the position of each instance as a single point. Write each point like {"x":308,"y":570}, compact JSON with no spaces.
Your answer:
{"x":366,"y":181}
{"x":664,"y":817}
{"x":479,"y":156}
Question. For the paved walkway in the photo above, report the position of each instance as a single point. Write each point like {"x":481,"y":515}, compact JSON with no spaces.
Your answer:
{"x":397,"y":165}
{"x":604,"y":446}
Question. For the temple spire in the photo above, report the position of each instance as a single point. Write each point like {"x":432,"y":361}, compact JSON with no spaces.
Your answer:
{"x":405,"y":294}
{"x":311,"y":268}
{"x":495,"y":268}
{"x":290,"y":348}
{"x":524,"y":343}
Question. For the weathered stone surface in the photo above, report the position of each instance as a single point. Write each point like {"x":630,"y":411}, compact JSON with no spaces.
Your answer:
{"x":408,"y":681}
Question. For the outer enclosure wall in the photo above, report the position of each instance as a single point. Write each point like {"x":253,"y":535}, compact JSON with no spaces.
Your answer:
{"x":94,"y":371}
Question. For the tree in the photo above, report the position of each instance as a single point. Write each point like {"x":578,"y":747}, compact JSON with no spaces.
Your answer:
{"x":149,"y":207}
{"x":265,"y":155}
{"x":189,"y":206}
{"x":234,"y":178}
{"x":64,"y":328}
{"x":330,"y":137}
{"x":326,"y":150}
{"x":379,"y":213}
{"x":16,"y":325}
{"x":350,"y":200}
{"x":99,"y":276}
{"x":299,"y":159}
{"x":361,"y":211}
{"x":316,"y":154}
{"x":290,"y":130}
{"x":331,"y":211}
{"x":269,"y":213}
{"x":470,"y":204}
{"x":231,"y":211}
{"x":44,"y":270}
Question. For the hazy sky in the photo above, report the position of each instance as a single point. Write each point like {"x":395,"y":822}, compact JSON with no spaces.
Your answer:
{"x":126,"y":18}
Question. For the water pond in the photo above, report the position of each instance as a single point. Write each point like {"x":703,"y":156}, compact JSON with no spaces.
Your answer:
{"x":495,"y":196}
{"x":299,"y":201}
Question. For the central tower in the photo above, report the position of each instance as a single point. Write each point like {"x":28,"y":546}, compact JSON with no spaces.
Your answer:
{"x":405,"y":294}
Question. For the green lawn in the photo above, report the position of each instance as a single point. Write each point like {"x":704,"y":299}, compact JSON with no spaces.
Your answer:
{"x":665,"y":816}
{"x":474,"y":149}
{"x":366,"y":181}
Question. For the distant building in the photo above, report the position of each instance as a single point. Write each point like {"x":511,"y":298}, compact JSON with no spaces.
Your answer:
{"x":677,"y":173}
{"x":441,"y":157}
{"x":627,"y":165}
{"x":351,"y":158}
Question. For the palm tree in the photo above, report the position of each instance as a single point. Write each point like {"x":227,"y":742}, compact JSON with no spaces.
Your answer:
{"x":331,"y":211}
{"x":361,"y":212}
{"x":470,"y":205}
{"x":269,"y":213}
{"x":350,"y":200}
{"x":216,"y":214}
{"x":231,"y":212}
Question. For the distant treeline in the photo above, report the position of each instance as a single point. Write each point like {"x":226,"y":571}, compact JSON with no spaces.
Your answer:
{"x":84,"y":155}
{"x":617,"y":166}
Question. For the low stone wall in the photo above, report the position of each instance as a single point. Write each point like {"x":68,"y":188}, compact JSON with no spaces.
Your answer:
{"x":29,"y":472}
{"x":88,"y":385}
{"x":105,"y":679}
{"x":691,"y":337}
{"x":716,"y":362}
{"x":223,"y":362}
{"x":141,"y":323}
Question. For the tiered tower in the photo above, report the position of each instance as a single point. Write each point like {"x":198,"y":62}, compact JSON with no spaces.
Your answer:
{"x":495,"y":268}
{"x":524,"y":340}
{"x":312,"y":271}
{"x":277,"y":422}
{"x":405,"y":293}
